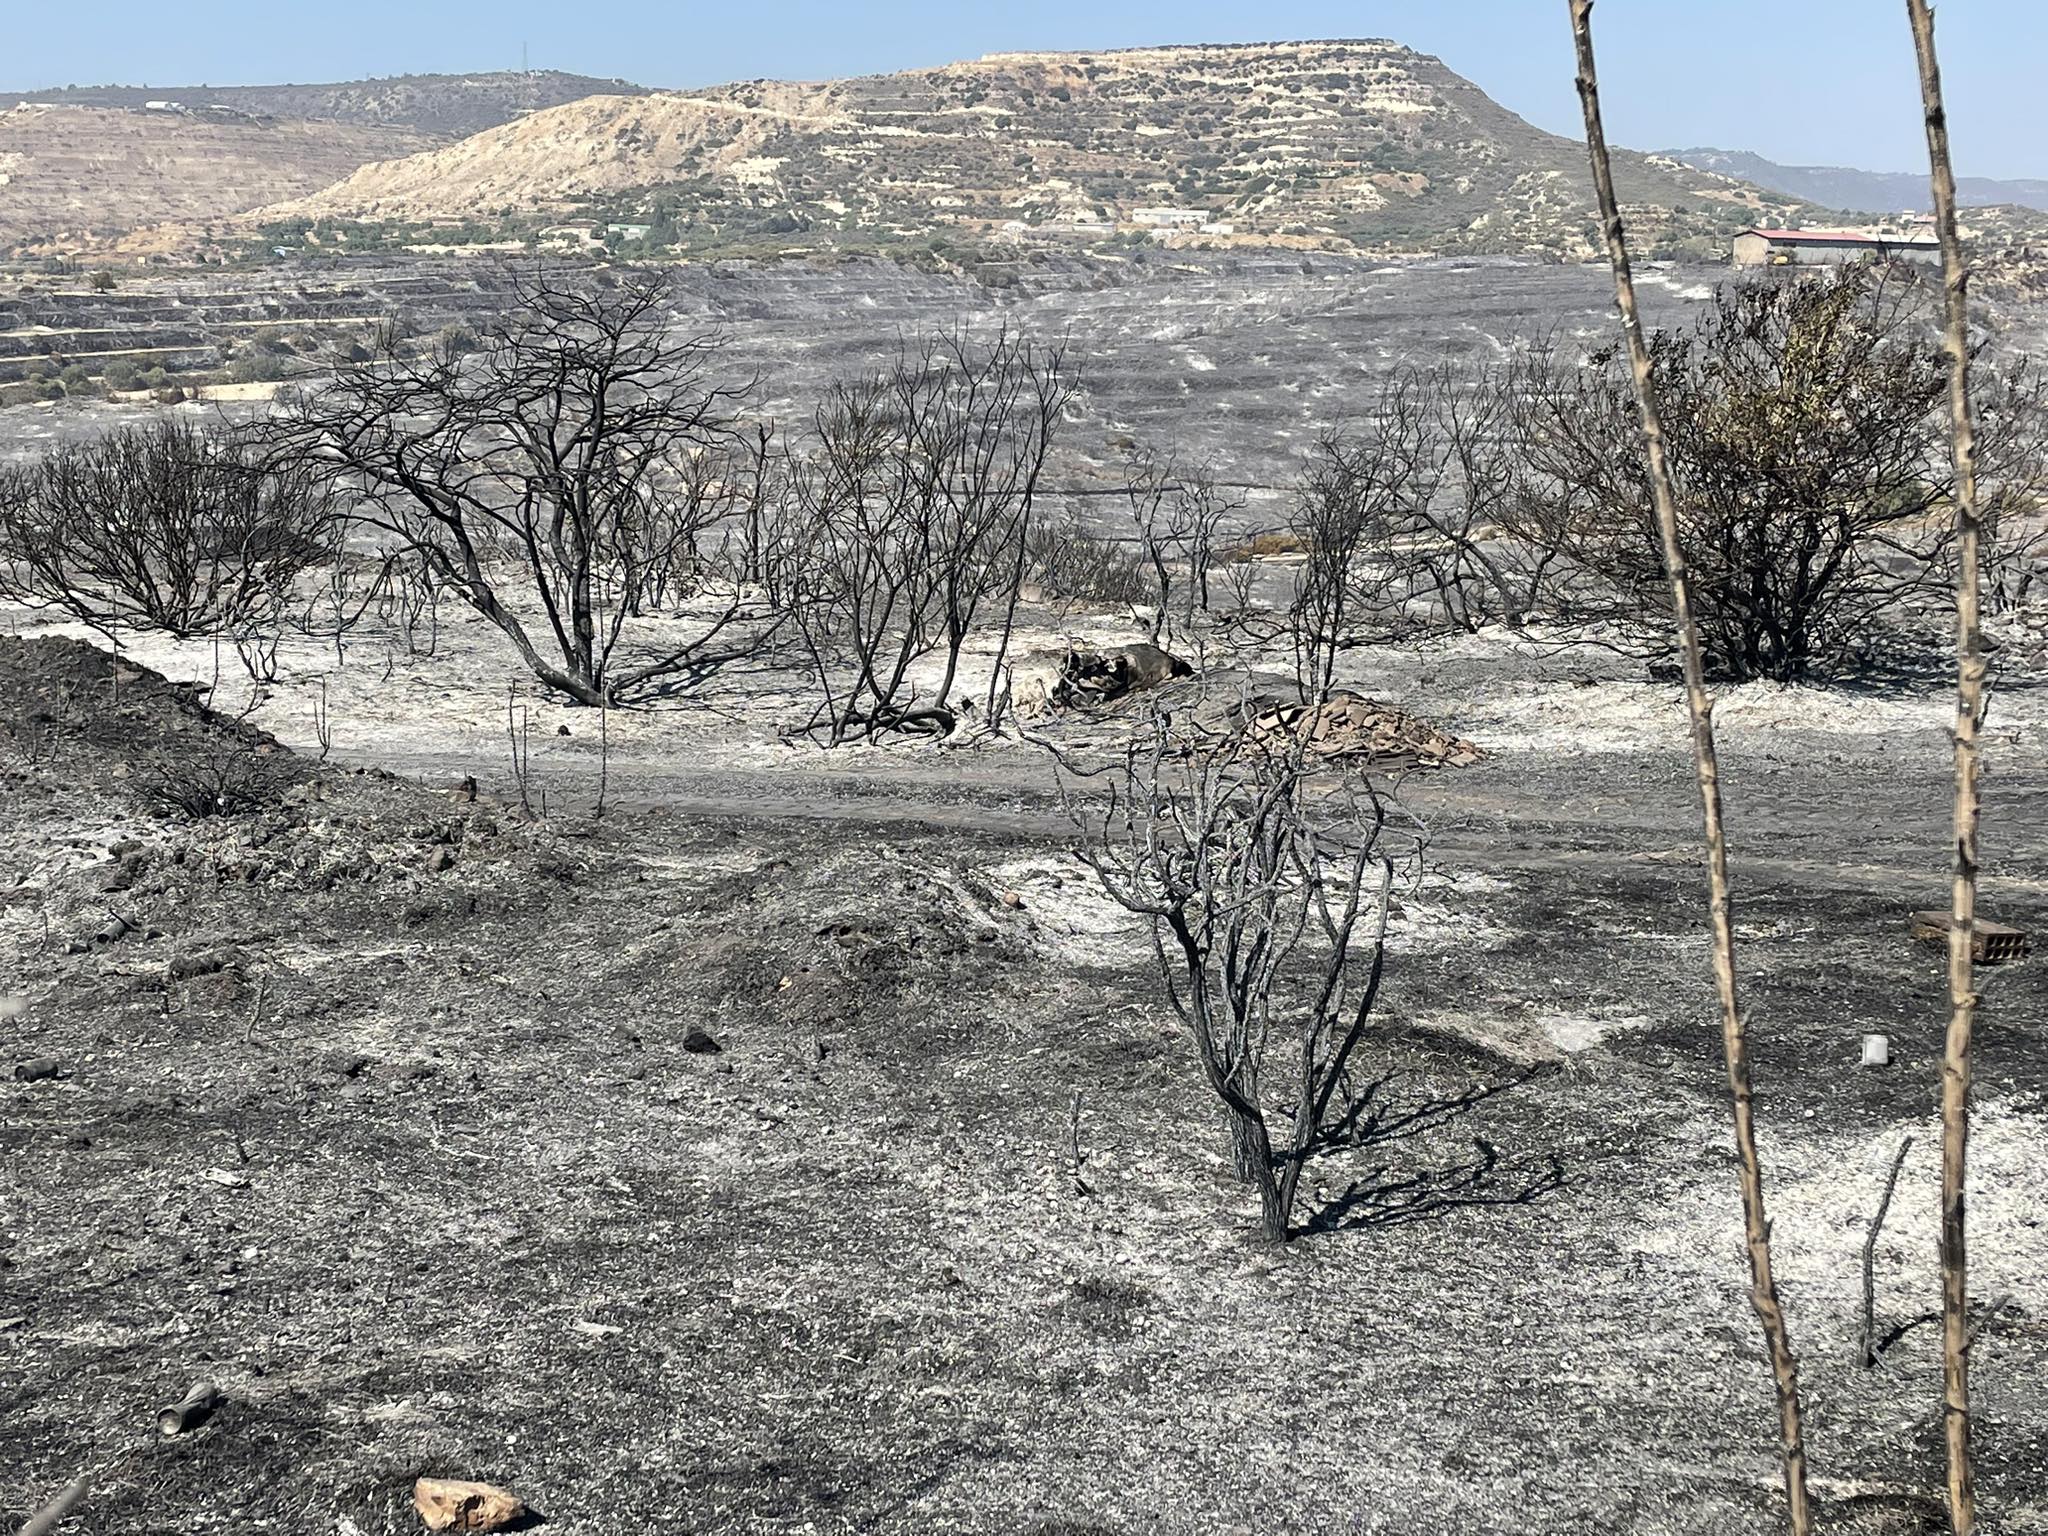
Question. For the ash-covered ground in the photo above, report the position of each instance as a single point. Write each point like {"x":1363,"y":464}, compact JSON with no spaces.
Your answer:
{"x":396,"y":1114}
{"x":708,"y":1166}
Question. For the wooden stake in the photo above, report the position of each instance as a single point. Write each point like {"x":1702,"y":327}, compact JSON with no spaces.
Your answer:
{"x":1868,"y":1354}
{"x":1734,"y":1032}
{"x":1074,"y":1157}
{"x":51,"y":1515}
{"x":1970,"y":669}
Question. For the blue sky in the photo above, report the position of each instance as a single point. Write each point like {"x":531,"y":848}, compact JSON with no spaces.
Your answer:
{"x":1803,"y":81}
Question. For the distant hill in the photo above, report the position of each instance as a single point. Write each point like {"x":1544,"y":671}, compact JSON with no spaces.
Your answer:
{"x":1362,"y":143}
{"x":81,"y":164}
{"x":1834,"y":186}
{"x":73,"y":175}
{"x":445,"y":107}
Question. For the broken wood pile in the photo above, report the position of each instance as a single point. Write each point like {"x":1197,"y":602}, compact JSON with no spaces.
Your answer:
{"x":1349,"y":727}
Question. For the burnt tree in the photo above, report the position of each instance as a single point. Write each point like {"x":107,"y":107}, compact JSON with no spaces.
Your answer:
{"x":907,"y":526}
{"x":548,"y":476}
{"x":1267,"y":884}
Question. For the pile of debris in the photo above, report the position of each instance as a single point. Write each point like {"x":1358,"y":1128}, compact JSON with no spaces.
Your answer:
{"x":1349,"y":727}
{"x":1046,"y":682}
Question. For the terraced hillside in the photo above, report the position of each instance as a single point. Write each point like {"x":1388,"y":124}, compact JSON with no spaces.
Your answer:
{"x":1359,"y":143}
{"x":76,"y":172}
{"x":1235,"y":358}
{"x":192,"y":322}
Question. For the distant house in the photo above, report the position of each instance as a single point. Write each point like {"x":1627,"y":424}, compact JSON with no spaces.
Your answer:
{"x":1169,"y":218}
{"x":629,"y":231}
{"x":1827,"y":247}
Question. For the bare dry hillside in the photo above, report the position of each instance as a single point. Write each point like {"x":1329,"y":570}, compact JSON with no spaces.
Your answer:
{"x":442,"y":107}
{"x":73,"y":171}
{"x":1367,"y":142}
{"x":87,"y":162}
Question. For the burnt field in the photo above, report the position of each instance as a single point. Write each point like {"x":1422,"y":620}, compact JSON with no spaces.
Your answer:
{"x":732,"y":1103}
{"x":713,"y":1167}
{"x":1237,"y":359}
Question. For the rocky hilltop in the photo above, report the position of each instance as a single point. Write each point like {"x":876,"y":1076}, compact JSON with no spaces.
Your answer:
{"x":1359,"y":143}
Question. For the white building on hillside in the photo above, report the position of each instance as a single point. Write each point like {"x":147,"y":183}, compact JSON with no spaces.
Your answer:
{"x":1169,"y":218}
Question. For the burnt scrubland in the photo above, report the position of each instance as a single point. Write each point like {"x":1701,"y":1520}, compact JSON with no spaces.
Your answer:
{"x":979,"y":932}
{"x":722,"y":1168}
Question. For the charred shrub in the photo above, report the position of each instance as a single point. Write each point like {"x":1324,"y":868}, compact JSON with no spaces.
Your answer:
{"x":1069,"y":561}
{"x":167,"y":526}
{"x":228,"y":780}
{"x":1805,"y":426}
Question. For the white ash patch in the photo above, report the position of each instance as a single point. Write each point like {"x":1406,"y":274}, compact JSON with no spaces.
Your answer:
{"x":1606,"y":717}
{"x":1436,"y":912}
{"x":1467,"y":882}
{"x":1533,"y":1038}
{"x":1076,"y":919}
{"x":735,"y":860}
{"x":1822,"y":1191}
{"x":1828,"y":1202}
{"x":1079,"y":922}
{"x":1628,"y":716}
{"x":1572,"y":1033}
{"x":1693,"y":293}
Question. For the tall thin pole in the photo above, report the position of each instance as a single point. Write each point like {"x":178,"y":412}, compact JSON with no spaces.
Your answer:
{"x":1970,"y":669}
{"x":1734,"y":1033}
